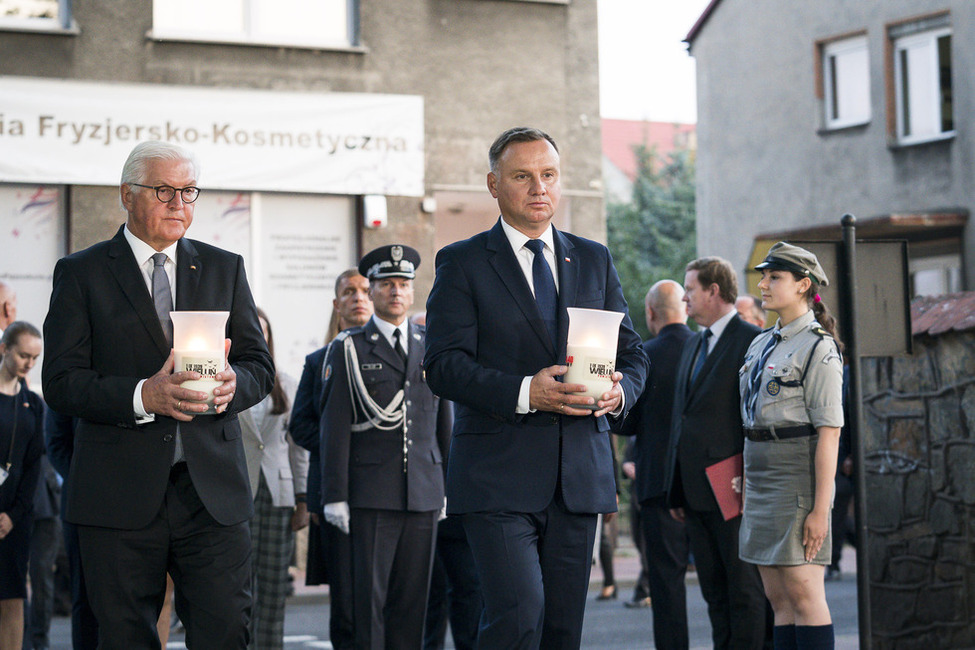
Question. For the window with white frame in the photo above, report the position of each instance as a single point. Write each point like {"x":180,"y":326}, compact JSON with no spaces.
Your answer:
{"x":298,"y":23}
{"x":922,"y":80}
{"x":846,"y":82}
{"x":39,"y":15}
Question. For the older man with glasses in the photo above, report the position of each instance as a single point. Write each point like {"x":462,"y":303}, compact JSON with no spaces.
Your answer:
{"x":155,"y":486}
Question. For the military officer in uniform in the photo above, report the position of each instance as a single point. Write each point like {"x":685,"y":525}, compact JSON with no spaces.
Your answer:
{"x":384,"y":437}
{"x":792,"y":408}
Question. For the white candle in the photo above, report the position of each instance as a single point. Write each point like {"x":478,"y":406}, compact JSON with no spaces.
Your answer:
{"x":206,"y":362}
{"x":592,"y":366}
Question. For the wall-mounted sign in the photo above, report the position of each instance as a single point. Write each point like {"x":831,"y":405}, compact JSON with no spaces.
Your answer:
{"x":80,"y":132}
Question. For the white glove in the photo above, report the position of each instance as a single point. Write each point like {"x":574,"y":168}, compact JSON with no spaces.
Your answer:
{"x":443,"y":511}
{"x":337,"y":514}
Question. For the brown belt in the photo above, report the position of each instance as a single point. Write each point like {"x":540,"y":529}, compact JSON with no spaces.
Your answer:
{"x":783,"y":433}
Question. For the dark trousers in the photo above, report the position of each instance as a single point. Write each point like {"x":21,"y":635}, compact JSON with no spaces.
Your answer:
{"x":732,"y":588}
{"x":641,"y":589}
{"x":534,"y":570}
{"x":392,"y":552}
{"x":338,"y":552}
{"x":84,"y":625}
{"x":455,"y":591}
{"x":666,"y":544}
{"x":210,"y":565}
{"x":44,"y":543}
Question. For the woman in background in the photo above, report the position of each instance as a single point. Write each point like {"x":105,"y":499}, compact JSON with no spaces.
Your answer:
{"x":278,"y":471}
{"x":792,"y":408}
{"x":21,"y":448}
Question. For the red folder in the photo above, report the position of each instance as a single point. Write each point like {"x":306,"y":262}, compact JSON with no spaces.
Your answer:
{"x":726,"y":483}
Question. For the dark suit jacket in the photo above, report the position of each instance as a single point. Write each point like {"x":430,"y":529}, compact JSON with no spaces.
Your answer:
{"x":365,"y":468}
{"x":101,"y":337}
{"x":706,"y":425}
{"x":650,"y":417}
{"x":306,"y":415}
{"x":485,"y":334}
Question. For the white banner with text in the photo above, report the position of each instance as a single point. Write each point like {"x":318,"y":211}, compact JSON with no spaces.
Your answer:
{"x":80,"y":132}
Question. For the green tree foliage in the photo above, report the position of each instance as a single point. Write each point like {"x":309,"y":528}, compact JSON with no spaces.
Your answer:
{"x":653,"y":236}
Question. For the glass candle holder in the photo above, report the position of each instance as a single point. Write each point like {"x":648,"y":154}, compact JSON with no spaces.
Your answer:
{"x":198,"y":344}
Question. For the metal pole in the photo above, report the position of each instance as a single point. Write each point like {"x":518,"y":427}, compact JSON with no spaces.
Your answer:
{"x":849,"y":290}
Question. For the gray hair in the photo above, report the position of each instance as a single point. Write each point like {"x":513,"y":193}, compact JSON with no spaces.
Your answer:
{"x":136,"y":165}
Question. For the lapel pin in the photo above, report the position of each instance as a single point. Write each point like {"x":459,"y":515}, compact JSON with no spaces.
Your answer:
{"x":567,"y":259}
{"x":374,"y":337}
{"x":416,"y":337}
{"x":192,"y":267}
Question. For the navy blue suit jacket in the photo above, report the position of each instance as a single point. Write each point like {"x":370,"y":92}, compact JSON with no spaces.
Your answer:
{"x":650,"y":417}
{"x":485,"y":334}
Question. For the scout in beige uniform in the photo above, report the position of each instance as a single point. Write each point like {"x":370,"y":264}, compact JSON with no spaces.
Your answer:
{"x":792,"y":409}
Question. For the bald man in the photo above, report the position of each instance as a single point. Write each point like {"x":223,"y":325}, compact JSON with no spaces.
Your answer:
{"x":665,"y":537}
{"x":750,"y":310}
{"x":8,"y":306}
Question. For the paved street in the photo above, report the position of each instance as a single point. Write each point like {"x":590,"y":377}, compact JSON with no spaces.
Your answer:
{"x":609,"y":625}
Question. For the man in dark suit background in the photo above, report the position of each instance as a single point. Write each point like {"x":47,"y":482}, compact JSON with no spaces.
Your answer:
{"x":530,"y":462}
{"x":665,"y":538}
{"x":384,"y":438}
{"x":330,"y":555}
{"x":153,"y":486}
{"x":706,"y":429}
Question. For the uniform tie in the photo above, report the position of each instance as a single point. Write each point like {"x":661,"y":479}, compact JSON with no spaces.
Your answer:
{"x":162,"y":296}
{"x":398,"y":344}
{"x":702,"y":353}
{"x":755,"y":378}
{"x":545,"y":293}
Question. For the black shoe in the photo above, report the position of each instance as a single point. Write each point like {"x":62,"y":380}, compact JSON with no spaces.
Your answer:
{"x":639,"y":603}
{"x":608,"y":593}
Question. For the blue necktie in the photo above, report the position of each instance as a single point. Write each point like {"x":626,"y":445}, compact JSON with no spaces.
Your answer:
{"x":702,"y":354}
{"x":545,"y":293}
{"x":755,"y":378}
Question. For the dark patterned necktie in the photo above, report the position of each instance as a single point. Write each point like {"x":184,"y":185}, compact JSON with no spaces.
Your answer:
{"x":755,"y":378}
{"x":545,"y":293}
{"x":702,"y":353}
{"x":162,"y":295}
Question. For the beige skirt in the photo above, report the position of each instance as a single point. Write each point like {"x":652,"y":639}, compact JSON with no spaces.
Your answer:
{"x":780,"y":489}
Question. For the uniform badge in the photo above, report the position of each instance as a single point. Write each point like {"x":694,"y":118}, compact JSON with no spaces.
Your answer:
{"x":773,"y":387}
{"x":371,"y":366}
{"x":396,"y":253}
{"x":328,"y":371}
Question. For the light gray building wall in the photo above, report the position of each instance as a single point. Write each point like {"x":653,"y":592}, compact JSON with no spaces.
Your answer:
{"x":767,"y":164}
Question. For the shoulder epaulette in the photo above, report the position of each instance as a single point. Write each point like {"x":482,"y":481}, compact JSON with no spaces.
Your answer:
{"x":819,"y":331}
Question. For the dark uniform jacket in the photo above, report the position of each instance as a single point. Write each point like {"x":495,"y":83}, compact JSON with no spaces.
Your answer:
{"x":383,"y":469}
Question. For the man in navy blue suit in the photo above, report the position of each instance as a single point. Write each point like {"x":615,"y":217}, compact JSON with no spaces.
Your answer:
{"x":530,"y":461}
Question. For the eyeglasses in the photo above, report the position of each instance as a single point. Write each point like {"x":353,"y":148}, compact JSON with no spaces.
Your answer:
{"x":166,"y":193}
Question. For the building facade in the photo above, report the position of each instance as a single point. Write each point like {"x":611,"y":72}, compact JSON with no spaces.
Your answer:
{"x":324,"y":127}
{"x":808,"y":111}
